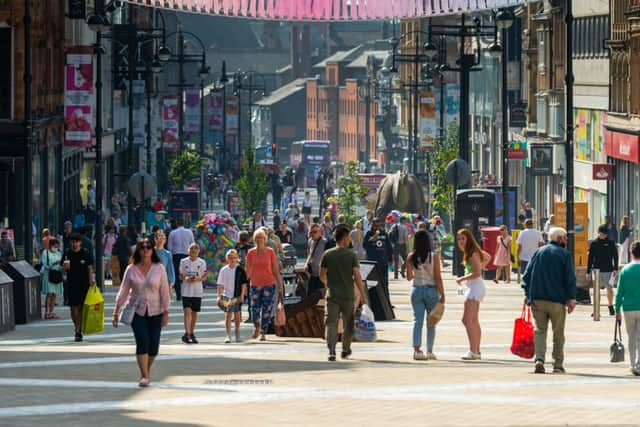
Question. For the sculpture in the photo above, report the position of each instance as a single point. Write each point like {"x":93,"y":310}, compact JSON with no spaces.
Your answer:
{"x":400,"y":191}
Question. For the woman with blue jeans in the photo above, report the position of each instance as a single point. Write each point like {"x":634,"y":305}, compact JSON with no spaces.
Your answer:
{"x":423,"y":267}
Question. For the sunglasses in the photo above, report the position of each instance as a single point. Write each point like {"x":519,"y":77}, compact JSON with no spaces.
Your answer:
{"x":146,"y":247}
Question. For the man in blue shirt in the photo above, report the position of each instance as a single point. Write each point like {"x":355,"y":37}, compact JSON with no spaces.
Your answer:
{"x":549,"y":283}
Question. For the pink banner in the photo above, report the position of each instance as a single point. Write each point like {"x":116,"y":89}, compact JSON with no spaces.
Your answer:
{"x":78,"y":97}
{"x":170,"y":123}
{"x":331,"y":10}
{"x":216,"y":111}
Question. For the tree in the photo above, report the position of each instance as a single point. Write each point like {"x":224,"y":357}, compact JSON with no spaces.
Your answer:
{"x":350,"y":192}
{"x":186,"y":166}
{"x":253,"y":185}
{"x":444,"y":151}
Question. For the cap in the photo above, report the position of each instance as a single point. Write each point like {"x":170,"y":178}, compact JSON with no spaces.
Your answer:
{"x":603,"y":229}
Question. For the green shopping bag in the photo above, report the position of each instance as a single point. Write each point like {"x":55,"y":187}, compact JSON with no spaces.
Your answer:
{"x":93,"y":312}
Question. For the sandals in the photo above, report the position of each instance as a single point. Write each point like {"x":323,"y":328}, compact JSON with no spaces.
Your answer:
{"x":144,"y":382}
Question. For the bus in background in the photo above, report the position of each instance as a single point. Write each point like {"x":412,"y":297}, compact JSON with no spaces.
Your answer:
{"x":311,"y":156}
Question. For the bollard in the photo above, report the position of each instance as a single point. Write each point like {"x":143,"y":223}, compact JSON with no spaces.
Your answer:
{"x":596,"y":294}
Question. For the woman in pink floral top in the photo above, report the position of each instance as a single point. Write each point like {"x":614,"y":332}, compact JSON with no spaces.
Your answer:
{"x":145,"y":280}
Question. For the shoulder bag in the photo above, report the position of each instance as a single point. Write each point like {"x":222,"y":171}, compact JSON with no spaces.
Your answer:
{"x":511,"y":257}
{"x":54,"y":276}
{"x":616,"y":350}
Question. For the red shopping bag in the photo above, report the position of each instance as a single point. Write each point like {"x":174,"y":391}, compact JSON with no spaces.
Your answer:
{"x":522,"y":344}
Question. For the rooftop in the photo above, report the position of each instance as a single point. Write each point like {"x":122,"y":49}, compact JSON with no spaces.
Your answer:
{"x":361,"y":61}
{"x":282,"y":92}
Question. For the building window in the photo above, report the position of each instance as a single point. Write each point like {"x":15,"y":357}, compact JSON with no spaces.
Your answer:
{"x":590,"y":32}
{"x":542,"y":51}
{"x":6,"y":73}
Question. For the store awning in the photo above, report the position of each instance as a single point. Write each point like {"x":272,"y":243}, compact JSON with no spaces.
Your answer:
{"x":329,"y":10}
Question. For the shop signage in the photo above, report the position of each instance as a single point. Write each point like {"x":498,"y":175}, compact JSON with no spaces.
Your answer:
{"x":602,"y":171}
{"x":622,"y":146}
{"x":518,"y":115}
{"x":542,"y":160}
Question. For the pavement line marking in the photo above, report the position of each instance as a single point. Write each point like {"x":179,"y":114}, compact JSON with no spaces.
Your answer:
{"x":221,"y":395}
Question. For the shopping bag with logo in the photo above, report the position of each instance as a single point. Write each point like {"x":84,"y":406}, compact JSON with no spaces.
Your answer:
{"x":616,"y":351}
{"x":93,"y":312}
{"x":523,"y":344}
{"x":365,"y":326}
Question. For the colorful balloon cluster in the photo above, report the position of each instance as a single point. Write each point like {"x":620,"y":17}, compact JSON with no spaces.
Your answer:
{"x":412,"y":220}
{"x":216,"y":234}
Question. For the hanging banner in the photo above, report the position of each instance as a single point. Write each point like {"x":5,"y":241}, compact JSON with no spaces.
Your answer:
{"x":78,"y":97}
{"x":215,"y":111}
{"x":427,"y":124}
{"x":331,"y":10}
{"x":170,"y":123}
{"x":139,"y":112}
{"x":232,"y":115}
{"x":192,"y":111}
{"x":452,"y":104}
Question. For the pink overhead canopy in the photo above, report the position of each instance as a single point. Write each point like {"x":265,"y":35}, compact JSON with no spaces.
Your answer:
{"x":328,"y":10}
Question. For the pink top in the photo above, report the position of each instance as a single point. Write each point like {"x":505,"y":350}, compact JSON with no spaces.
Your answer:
{"x":153,"y":294}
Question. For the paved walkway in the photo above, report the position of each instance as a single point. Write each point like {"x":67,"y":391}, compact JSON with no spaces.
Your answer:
{"x":48,"y":380}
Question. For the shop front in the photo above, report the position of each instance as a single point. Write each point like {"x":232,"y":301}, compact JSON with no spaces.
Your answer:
{"x":623,"y":151}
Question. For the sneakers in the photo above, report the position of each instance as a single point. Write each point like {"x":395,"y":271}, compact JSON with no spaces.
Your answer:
{"x":612,"y":311}
{"x":431,"y":356}
{"x":193,"y":339}
{"x":470,"y":355}
{"x":78,"y":337}
{"x":558,"y":370}
{"x":635,"y":372}
{"x":332,"y":355}
{"x":237,"y":336}
{"x":419,"y":355}
{"x":187,"y":339}
{"x":539,"y":367}
{"x":227,"y":340}
{"x":345,"y":354}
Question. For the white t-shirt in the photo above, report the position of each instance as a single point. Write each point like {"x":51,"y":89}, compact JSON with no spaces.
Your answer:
{"x":227,"y":279}
{"x":529,"y":239}
{"x":192,"y":269}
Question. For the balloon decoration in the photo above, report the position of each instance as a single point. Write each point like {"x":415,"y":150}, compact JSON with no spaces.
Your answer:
{"x":216,"y":234}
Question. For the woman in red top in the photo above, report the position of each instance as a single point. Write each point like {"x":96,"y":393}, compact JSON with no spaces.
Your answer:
{"x":264,"y":272}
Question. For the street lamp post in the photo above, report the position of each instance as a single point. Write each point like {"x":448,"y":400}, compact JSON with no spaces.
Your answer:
{"x":28,"y":136}
{"x":222,"y":83}
{"x":569,"y":127}
{"x":240,"y":84}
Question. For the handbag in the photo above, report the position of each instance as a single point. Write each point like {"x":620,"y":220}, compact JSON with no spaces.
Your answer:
{"x":54,"y":276}
{"x":281,"y":317}
{"x":522,"y":344}
{"x":511,"y":257}
{"x":616,"y":350}
{"x":435,"y":315}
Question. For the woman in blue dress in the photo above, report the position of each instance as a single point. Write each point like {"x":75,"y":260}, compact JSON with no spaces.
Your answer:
{"x":51,"y":261}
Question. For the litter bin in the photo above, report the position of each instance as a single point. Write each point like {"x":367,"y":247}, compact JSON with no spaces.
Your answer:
{"x":7,"y":318}
{"x":490,"y":245}
{"x":26,"y":291}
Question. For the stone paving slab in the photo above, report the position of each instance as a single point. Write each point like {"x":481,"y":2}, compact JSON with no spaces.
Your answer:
{"x":51,"y":381}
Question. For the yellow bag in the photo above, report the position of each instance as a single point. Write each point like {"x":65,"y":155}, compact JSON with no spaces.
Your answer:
{"x":93,"y":312}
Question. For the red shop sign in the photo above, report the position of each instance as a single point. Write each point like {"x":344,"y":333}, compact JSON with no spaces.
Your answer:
{"x":602,"y":171}
{"x":622,"y":146}
{"x":517,"y":153}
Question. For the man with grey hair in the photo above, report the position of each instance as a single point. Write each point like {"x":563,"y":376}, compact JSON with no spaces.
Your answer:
{"x":549,"y":284}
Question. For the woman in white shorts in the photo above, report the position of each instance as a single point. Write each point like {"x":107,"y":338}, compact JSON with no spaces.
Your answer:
{"x":474,"y":259}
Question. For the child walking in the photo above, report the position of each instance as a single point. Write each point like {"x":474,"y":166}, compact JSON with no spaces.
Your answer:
{"x":232,"y":289}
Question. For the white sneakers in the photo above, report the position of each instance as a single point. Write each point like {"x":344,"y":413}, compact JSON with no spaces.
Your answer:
{"x":419,"y":355}
{"x":470,"y":355}
{"x":227,"y":340}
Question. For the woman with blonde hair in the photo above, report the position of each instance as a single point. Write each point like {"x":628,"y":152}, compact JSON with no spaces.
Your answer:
{"x":474,"y":260}
{"x":357,"y":239}
{"x":263,"y":270}
{"x":502,"y":259}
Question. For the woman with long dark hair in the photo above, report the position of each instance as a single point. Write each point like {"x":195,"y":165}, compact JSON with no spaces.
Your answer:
{"x":145,"y":281}
{"x":423,"y":267}
{"x":474,"y":259}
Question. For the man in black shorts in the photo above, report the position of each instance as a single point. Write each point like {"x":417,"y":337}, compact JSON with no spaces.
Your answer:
{"x":77,"y":262}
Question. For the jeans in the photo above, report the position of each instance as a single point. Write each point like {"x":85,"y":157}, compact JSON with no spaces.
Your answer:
{"x":632,"y":322}
{"x":261,"y":306}
{"x":335,"y":308}
{"x":543,"y":312}
{"x":176,"y":258}
{"x":423,"y":299}
{"x":147,"y":329}
{"x":399,"y":252}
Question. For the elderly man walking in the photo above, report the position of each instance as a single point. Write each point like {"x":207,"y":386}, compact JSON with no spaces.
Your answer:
{"x":549,"y":283}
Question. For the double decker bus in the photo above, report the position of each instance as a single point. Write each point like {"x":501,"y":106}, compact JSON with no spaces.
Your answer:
{"x":311,"y":156}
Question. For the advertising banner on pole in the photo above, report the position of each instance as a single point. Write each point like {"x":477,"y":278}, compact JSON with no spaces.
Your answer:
{"x":78,"y":97}
{"x":452,"y":104}
{"x":232,"y":115}
{"x":170,"y":123}
{"x":581,"y":227}
{"x":215,"y":111}
{"x":192,"y":111}
{"x":427,"y":124}
{"x":139,"y":116}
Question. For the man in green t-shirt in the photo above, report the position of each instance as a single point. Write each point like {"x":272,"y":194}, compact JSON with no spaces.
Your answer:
{"x":339,"y":269}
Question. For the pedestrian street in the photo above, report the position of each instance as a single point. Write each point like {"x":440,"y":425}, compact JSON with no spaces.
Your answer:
{"x":49,"y":380}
